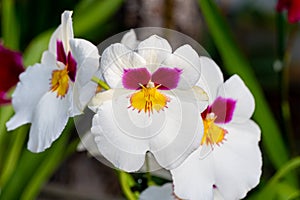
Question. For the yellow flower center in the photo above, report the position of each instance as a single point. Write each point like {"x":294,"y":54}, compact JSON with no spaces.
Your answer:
{"x":60,"y":82}
{"x":148,"y":99}
{"x":213,"y":134}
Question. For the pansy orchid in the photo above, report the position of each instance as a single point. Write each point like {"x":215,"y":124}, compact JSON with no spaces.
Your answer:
{"x":10,"y":69}
{"x":152,"y":97}
{"x":233,"y":166}
{"x":47,"y":94}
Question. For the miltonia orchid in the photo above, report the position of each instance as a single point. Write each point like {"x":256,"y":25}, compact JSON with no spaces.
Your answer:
{"x":233,"y":166}
{"x":152,"y":97}
{"x":47,"y":95}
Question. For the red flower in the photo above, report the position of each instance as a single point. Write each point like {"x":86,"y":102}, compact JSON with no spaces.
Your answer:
{"x":11,"y":66}
{"x":293,"y":8}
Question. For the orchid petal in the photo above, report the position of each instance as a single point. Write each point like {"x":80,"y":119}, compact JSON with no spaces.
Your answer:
{"x":63,"y":33}
{"x":130,"y":40}
{"x":211,"y":78}
{"x":238,"y":161}
{"x":60,"y":52}
{"x":115,"y":59}
{"x":223,"y":109}
{"x":234,"y":88}
{"x":164,"y":192}
{"x":154,"y":50}
{"x":186,"y":59}
{"x":194,"y":178}
{"x":166,"y":77}
{"x":87,"y":58}
{"x":179,"y":136}
{"x":133,"y":78}
{"x":25,"y":98}
{"x":48,"y":122}
{"x":115,"y":144}
{"x":100,"y":98}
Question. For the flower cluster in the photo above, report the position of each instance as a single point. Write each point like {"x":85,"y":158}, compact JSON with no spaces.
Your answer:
{"x":169,"y":103}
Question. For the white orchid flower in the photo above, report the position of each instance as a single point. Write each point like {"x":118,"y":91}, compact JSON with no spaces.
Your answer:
{"x":150,"y":103}
{"x":233,"y":166}
{"x":47,"y":94}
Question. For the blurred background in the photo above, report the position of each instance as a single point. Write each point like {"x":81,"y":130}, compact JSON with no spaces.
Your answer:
{"x":252,"y":24}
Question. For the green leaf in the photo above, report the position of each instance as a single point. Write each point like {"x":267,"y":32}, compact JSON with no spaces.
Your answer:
{"x":10,"y":25}
{"x":35,"y":49}
{"x":15,"y":140}
{"x":269,"y":191}
{"x":286,"y":191}
{"x":34,"y":169}
{"x":90,"y":16}
{"x":48,"y":165}
{"x":235,"y":63}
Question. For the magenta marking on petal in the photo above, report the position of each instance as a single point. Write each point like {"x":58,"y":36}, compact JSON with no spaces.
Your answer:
{"x":168,"y":78}
{"x":132,"y":78}
{"x":72,"y":66}
{"x":60,"y":52}
{"x":223,"y":108}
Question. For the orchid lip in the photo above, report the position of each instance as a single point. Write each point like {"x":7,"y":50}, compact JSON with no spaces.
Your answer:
{"x":148,"y":98}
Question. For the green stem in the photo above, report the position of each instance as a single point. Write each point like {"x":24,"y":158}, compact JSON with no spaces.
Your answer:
{"x":127,"y":182}
{"x":285,"y":105}
{"x":17,"y":139}
{"x":100,"y":83}
{"x":281,"y":173}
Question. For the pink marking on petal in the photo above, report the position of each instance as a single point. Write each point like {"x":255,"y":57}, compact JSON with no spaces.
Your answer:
{"x":223,"y":108}
{"x":168,"y":78}
{"x":132,"y":78}
{"x":60,"y":51}
{"x":72,"y":66}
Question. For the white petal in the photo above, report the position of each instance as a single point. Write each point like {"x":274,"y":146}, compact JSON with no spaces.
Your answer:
{"x":194,"y":179}
{"x":34,"y":83}
{"x":164,"y":192}
{"x":187,"y":59}
{"x":87,"y":58}
{"x":115,"y":59}
{"x":154,"y":50}
{"x":195,"y":96}
{"x":130,"y":40}
{"x":180,"y":135}
{"x":238,"y":161}
{"x":100,"y":98}
{"x":171,"y":134}
{"x":50,"y":117}
{"x":116,"y":145}
{"x":64,"y":32}
{"x":236,"y":89}
{"x":211,"y":77}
